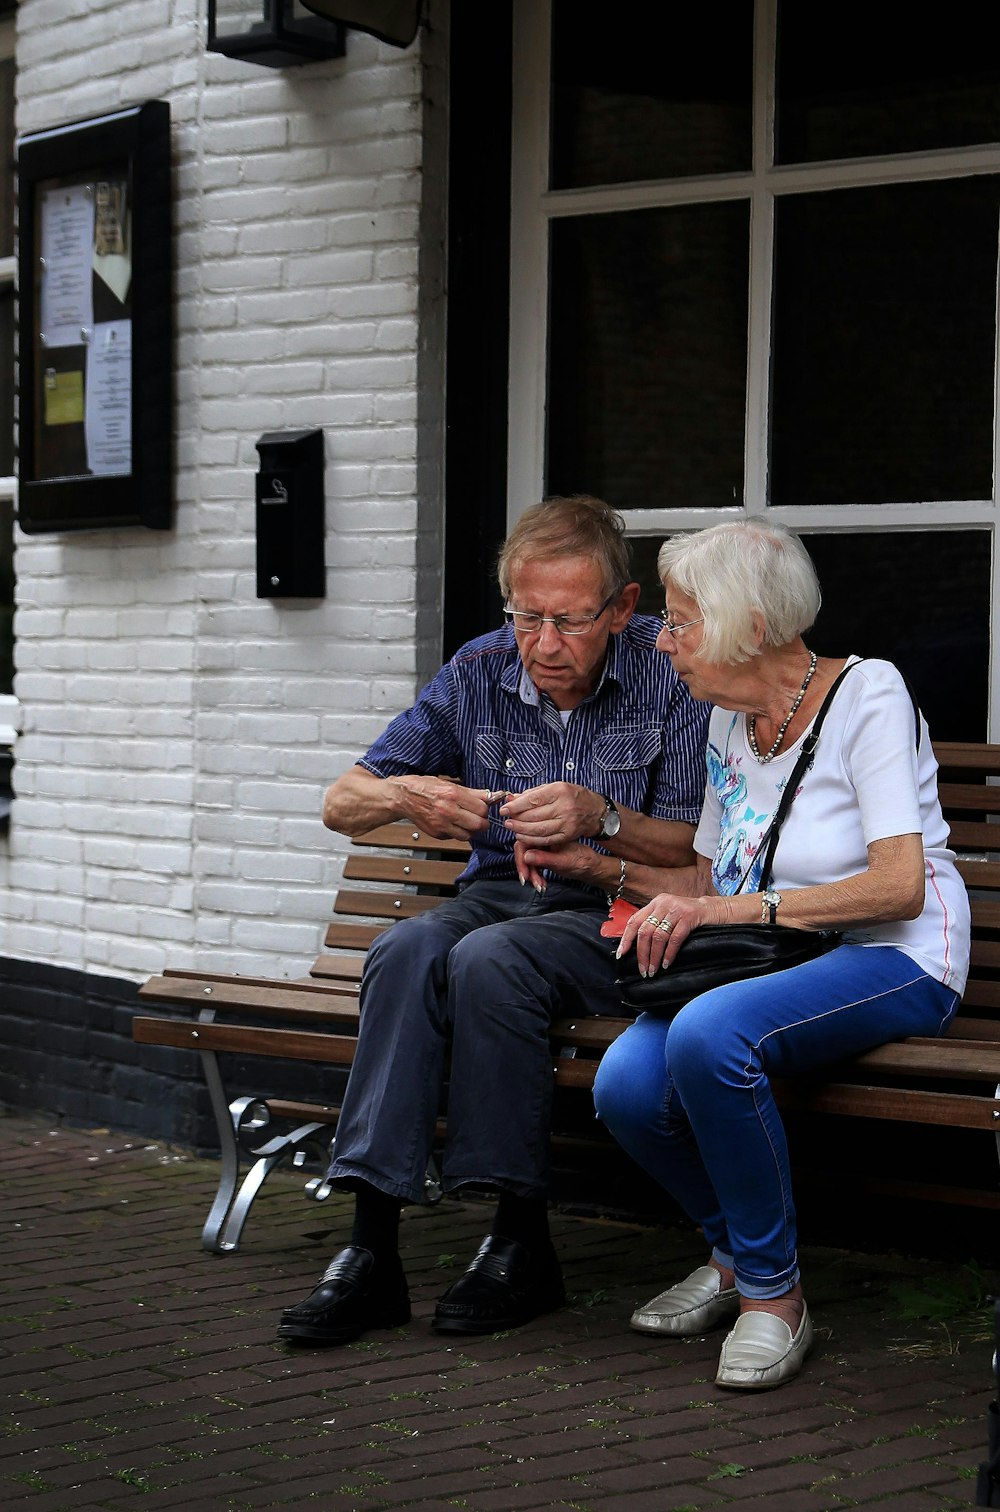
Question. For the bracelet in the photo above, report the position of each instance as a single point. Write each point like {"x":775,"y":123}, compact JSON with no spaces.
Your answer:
{"x":620,"y":890}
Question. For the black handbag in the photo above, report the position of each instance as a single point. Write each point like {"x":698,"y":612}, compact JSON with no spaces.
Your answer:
{"x":716,"y":954}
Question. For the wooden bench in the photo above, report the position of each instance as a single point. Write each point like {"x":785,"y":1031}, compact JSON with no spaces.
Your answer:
{"x":952,"y":1082}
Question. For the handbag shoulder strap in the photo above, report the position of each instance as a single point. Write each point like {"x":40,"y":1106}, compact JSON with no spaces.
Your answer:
{"x":798,"y":771}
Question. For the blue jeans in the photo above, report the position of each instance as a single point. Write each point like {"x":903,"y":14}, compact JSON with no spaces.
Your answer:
{"x":690,"y":1099}
{"x":482,"y":975}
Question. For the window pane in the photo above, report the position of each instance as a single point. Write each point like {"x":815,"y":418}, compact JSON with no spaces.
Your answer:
{"x":920,"y":599}
{"x":649,"y":92}
{"x":883,"y":344}
{"x":872,"y":80}
{"x":7,"y":148}
{"x":647,"y":356}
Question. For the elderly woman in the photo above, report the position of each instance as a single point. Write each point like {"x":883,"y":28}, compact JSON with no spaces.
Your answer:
{"x":863,"y":851}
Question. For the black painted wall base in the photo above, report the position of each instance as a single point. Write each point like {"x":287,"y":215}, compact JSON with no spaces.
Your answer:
{"x":66,"y":1050}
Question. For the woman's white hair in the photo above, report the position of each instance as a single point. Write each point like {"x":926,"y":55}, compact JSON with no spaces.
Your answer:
{"x":753,"y":583}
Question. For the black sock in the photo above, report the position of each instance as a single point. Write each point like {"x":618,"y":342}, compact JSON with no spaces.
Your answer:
{"x":376,"y":1222}
{"x":524,"y":1219}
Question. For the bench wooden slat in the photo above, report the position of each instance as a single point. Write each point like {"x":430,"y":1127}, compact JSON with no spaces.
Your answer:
{"x":322,"y":1006}
{"x":969,"y":796}
{"x":973,"y":835}
{"x":352,"y":936}
{"x":969,"y":1026}
{"x":400,"y":870}
{"x":322,"y":1112}
{"x":984,"y":915}
{"x":185,"y":975}
{"x":947,"y":1060}
{"x":406,"y":836}
{"x":291,"y":1044}
{"x":970,"y":755}
{"x":378,"y":905}
{"x":337,"y":968}
{"x":901,"y":1104}
{"x":980,"y":874}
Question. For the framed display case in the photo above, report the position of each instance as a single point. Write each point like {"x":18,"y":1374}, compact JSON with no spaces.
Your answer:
{"x":95,"y":370}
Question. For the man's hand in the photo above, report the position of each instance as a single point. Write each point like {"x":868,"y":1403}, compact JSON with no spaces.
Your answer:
{"x":553,"y":815}
{"x":443,"y":808}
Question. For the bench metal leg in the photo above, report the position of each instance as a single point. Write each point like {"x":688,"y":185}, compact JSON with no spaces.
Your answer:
{"x":222,"y":1232}
{"x":236,"y":1125}
{"x":240,"y":1125}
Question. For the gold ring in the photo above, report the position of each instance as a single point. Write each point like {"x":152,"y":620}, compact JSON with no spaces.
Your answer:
{"x":654,"y":921}
{"x":665,"y":925}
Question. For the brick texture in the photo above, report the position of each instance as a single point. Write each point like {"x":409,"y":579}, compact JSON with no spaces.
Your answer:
{"x":177,"y":731}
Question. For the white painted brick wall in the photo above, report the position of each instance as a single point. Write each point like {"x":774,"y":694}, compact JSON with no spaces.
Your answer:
{"x":178,"y":732}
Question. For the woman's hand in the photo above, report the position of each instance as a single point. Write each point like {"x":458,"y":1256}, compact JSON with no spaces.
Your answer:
{"x":659,"y":930}
{"x":574,"y":862}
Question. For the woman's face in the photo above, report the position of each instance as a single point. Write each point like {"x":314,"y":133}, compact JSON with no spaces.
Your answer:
{"x":701,"y":677}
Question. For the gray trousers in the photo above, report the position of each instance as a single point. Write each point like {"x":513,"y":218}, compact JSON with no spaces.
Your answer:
{"x":482,"y":975}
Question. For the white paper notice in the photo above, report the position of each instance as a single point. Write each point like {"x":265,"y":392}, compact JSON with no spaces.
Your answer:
{"x":108,"y":416}
{"x":67,"y":251}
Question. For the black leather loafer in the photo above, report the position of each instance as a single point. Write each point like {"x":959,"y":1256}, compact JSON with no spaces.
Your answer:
{"x":354,"y":1295}
{"x":506,"y":1285}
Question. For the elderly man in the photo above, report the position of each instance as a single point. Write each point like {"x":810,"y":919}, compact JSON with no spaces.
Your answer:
{"x":562,"y":727}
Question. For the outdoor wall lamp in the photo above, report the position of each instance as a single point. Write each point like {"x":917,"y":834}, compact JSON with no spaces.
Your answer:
{"x":274,"y":33}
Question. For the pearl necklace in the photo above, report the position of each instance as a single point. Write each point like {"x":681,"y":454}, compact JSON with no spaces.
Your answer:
{"x":752,"y":722}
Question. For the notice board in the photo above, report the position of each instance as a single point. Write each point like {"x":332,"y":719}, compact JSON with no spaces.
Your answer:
{"x":95,"y":330}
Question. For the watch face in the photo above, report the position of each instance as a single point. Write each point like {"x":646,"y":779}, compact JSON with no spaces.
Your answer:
{"x":611,"y":823}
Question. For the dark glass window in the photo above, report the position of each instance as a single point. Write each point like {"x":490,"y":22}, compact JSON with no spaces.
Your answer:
{"x":6,"y":380}
{"x":650,"y":92}
{"x":920,"y":599}
{"x":862,"y":80}
{"x":883,"y":343}
{"x":647,"y":356}
{"x":6,"y":385}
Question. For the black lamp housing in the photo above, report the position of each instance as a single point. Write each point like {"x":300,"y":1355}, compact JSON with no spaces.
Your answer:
{"x":274,"y":33}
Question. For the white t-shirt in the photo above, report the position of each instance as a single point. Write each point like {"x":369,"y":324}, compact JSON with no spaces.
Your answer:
{"x":868,"y":781}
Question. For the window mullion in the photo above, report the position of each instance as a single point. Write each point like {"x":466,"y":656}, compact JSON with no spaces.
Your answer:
{"x":761,"y":263}
{"x":529,"y":259}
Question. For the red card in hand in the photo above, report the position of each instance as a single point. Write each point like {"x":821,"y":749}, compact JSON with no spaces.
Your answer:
{"x":614,"y":925}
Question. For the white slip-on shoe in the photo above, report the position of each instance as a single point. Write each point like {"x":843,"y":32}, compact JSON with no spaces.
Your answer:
{"x":761,"y":1351}
{"x":691,"y":1307}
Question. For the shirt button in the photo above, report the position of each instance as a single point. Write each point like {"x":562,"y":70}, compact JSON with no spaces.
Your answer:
{"x":509,"y":762}
{"x":571,"y":765}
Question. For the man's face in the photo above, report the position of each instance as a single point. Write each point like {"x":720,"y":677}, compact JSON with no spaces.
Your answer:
{"x":566,"y":667}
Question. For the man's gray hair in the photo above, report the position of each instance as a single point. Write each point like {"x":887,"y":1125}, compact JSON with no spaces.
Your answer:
{"x":578,"y":526}
{"x":743,"y":575}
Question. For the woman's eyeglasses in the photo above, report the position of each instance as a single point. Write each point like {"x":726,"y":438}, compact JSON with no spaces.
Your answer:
{"x":672,"y":628}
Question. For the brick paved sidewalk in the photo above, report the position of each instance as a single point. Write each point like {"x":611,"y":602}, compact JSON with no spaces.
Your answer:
{"x":140,"y":1371}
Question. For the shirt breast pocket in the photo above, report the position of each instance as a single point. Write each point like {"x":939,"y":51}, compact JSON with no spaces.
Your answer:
{"x":510,"y":756}
{"x":628,"y":750}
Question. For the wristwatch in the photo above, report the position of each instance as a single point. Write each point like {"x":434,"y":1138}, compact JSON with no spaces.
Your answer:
{"x":769,"y":906}
{"x":610,"y":821}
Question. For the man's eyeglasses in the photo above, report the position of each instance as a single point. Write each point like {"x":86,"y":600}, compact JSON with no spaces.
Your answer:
{"x":672,"y":628}
{"x":566,"y":624}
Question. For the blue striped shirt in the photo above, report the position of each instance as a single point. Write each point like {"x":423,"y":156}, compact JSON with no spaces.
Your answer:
{"x":639,"y":737}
